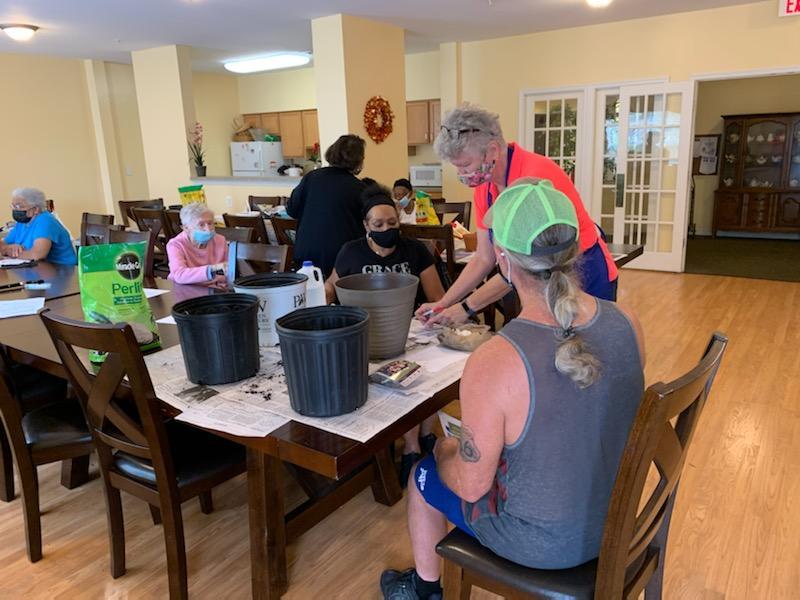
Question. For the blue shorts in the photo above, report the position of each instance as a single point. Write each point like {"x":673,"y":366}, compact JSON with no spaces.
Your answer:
{"x":594,"y":274}
{"x":438,"y":495}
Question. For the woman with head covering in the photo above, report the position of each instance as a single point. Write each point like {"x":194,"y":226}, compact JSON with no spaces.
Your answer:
{"x":546,"y":408}
{"x":472,"y":141}
{"x":37,"y":235}
{"x":326,"y":204}
{"x":198,"y":255}
{"x":384,"y":250}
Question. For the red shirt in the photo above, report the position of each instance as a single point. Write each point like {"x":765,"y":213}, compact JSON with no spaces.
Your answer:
{"x":529,"y":164}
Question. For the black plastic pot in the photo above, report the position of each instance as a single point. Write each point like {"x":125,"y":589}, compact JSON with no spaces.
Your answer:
{"x":325,"y":358}
{"x":219,"y":337}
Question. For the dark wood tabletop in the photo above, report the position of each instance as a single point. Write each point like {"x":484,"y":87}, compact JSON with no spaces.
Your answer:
{"x":624,"y":253}
{"x":63,"y":280}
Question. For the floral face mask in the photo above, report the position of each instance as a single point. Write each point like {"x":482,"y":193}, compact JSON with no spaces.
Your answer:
{"x":479,"y":176}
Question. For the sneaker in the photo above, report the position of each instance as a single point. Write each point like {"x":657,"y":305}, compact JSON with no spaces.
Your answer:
{"x":396,"y":585}
{"x":427,"y":442}
{"x":407,"y":462}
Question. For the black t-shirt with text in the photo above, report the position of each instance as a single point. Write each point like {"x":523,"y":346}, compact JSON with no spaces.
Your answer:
{"x":410,"y":256}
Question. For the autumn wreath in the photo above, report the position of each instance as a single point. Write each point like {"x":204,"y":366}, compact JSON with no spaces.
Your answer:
{"x":378,"y":118}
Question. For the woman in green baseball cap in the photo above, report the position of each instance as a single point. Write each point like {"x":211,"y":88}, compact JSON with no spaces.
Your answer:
{"x":546,"y":407}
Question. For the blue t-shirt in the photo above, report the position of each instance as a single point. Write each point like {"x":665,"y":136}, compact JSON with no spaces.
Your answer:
{"x":45,"y":225}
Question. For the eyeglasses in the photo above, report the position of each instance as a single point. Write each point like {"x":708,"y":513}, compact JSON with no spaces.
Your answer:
{"x":455,"y":134}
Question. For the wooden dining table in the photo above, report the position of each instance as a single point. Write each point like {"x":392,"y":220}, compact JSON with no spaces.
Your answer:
{"x":62,"y":280}
{"x":331,"y":469}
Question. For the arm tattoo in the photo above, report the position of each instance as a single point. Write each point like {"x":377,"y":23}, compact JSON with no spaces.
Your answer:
{"x":466,"y":445}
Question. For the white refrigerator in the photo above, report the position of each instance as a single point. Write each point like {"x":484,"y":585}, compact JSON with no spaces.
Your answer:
{"x":256,"y":159}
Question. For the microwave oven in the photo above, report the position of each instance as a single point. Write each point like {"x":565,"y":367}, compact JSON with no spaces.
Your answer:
{"x":426,"y":175}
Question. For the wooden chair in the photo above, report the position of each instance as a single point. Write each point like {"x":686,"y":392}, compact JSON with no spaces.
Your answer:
{"x":172,"y":220}
{"x":155,"y":221}
{"x":131,"y":237}
{"x":126,"y":207}
{"x":93,"y":234}
{"x":632,"y":553}
{"x":260,"y":203}
{"x":285,"y":234}
{"x":463,"y":210}
{"x":162,"y":463}
{"x":255,"y":222}
{"x":442,"y":238}
{"x":40,"y":430}
{"x":259,"y":258}
{"x":237,"y":234}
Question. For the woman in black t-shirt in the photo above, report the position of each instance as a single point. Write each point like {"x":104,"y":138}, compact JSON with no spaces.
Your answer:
{"x":383,"y":250}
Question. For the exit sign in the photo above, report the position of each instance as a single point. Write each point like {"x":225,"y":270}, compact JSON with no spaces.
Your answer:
{"x":789,"y":8}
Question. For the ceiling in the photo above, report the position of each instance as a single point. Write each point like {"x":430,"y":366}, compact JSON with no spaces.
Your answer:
{"x":223,"y":29}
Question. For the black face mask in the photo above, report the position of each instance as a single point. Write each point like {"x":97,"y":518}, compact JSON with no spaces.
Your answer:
{"x":386,"y":239}
{"x":20,"y":216}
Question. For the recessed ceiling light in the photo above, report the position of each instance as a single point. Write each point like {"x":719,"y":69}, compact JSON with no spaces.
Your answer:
{"x":19,"y":32}
{"x":284,"y":60}
{"x":598,"y":3}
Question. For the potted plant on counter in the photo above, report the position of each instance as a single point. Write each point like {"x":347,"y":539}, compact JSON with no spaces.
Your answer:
{"x":314,"y":156}
{"x":195,"y":141}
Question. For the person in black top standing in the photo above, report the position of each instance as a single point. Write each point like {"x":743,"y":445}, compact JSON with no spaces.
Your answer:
{"x":383,"y":250}
{"x":327,"y":206}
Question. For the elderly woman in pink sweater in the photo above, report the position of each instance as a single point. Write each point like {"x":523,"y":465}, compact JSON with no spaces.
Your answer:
{"x":197,"y":255}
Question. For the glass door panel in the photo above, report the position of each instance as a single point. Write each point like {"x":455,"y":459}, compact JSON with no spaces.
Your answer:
{"x":794,"y":156}
{"x":763,"y":157}
{"x":551,"y":129}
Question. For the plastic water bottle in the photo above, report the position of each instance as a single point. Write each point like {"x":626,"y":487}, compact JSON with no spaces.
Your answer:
{"x":315,"y":286}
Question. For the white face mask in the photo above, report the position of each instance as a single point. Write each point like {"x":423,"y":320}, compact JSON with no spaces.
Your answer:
{"x":507,"y":277}
{"x":403,"y":202}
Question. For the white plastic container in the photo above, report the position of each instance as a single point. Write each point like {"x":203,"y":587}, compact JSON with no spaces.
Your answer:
{"x":278,"y":294}
{"x":315,"y":286}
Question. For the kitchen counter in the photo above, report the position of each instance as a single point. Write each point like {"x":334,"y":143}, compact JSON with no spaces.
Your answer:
{"x":279,"y":181}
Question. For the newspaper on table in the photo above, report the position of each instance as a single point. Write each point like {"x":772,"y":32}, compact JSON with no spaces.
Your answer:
{"x":259,"y":405}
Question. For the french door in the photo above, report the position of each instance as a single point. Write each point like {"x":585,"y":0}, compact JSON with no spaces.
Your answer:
{"x":645,"y":170}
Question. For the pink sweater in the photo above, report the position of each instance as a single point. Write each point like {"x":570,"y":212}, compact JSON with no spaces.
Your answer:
{"x":187,"y":262}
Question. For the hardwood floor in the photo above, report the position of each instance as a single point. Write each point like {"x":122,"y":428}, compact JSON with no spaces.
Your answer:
{"x":735,"y":532}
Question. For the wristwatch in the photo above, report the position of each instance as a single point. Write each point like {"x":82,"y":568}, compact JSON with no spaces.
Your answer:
{"x":470,"y":313}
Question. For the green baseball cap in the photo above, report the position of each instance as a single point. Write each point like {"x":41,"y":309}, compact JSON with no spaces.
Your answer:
{"x":524,"y":211}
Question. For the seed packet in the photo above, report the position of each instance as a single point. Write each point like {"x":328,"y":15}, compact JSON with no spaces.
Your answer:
{"x":397,"y":373}
{"x":110,"y":278}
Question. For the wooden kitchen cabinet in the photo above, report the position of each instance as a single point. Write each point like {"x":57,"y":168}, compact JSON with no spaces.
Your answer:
{"x":291,"y":124}
{"x":310,"y":128}
{"x":417,"y":115}
{"x":252,"y":120}
{"x":270,"y":123}
{"x":434,"y":118}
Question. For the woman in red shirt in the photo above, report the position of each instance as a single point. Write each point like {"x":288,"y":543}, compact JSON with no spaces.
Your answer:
{"x":472,"y":141}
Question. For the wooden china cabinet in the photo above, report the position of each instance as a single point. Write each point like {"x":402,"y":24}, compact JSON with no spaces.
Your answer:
{"x":759,"y":176}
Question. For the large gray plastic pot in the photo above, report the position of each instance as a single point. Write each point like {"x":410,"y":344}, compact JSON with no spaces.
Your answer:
{"x":389,"y":300}
{"x":324,"y":351}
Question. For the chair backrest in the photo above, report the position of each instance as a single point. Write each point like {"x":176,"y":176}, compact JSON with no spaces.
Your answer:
{"x":259,"y":258}
{"x":12,"y":412}
{"x":442,"y":238}
{"x":285,"y":230}
{"x":463,"y":210}
{"x":155,"y":221}
{"x":126,"y":206}
{"x":255,"y":222}
{"x":633,"y":539}
{"x":97,"y":219}
{"x":259,"y":202}
{"x":124,"y":236}
{"x":236,"y":234}
{"x":93,"y":234}
{"x":122,"y":415}
{"x":172,"y":221}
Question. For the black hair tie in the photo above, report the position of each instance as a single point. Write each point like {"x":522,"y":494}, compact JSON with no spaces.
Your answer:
{"x":568,"y":333}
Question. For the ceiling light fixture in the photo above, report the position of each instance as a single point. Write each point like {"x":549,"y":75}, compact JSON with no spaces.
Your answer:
{"x":19,"y":32}
{"x":271,"y":62}
{"x":598,"y":3}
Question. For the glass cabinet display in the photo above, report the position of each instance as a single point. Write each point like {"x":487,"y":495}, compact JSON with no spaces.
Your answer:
{"x":759,"y":174}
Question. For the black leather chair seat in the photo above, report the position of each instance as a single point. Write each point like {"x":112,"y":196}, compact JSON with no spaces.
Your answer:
{"x":55,"y":424}
{"x":195,"y":454}
{"x":565,"y":584}
{"x":34,"y":387}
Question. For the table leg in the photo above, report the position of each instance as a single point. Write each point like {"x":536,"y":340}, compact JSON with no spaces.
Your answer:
{"x":385,"y":486}
{"x":267,"y":526}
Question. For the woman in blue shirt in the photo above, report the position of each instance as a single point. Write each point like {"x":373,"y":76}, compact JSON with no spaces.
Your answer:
{"x":38,"y":235}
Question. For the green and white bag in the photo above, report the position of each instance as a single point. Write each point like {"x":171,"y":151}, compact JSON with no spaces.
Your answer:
{"x":110,"y":277}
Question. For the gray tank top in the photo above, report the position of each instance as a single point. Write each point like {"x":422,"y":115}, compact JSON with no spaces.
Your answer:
{"x":547,"y":505}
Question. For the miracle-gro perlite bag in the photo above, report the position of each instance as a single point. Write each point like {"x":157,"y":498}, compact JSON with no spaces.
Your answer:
{"x":110,"y":277}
